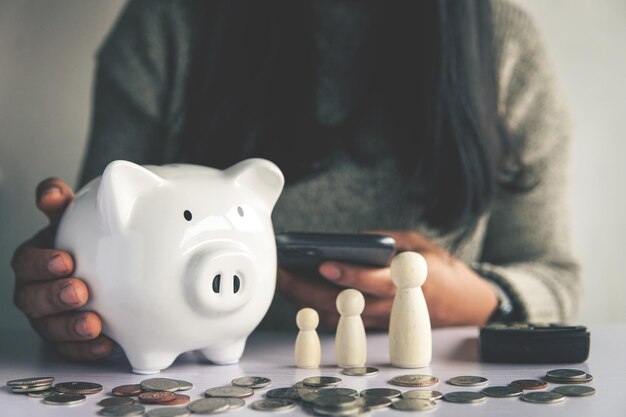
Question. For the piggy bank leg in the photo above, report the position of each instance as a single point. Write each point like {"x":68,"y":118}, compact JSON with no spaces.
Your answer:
{"x":225,"y":353}
{"x":149,"y":362}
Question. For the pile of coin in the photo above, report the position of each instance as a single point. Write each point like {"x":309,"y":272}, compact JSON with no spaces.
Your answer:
{"x":34,"y":385}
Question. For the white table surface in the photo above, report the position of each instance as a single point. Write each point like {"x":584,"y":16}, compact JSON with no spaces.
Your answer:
{"x":271,"y":355}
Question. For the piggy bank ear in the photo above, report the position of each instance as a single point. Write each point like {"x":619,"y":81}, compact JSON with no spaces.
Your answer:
{"x":122,"y":183}
{"x":259,"y":175}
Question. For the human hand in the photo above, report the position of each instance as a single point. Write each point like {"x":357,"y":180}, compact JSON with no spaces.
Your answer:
{"x":46,"y":292}
{"x":455,"y":294}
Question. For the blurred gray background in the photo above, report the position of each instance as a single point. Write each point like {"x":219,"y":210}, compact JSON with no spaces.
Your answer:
{"x":46,"y":68}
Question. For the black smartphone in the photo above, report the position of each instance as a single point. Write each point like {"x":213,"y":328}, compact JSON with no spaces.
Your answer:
{"x":306,"y":251}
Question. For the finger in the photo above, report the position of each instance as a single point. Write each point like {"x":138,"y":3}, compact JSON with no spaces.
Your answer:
{"x":47,"y":298}
{"x":32,"y":264}
{"x":69,"y":327}
{"x":52,"y":196}
{"x":315,"y":293}
{"x":95,"y":349}
{"x":372,"y":281}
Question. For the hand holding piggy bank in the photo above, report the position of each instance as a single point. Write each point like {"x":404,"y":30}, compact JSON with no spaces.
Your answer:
{"x":176,"y":257}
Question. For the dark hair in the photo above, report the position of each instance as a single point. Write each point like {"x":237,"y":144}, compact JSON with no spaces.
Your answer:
{"x":250,"y":88}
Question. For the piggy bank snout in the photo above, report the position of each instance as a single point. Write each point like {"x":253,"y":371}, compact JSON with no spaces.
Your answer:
{"x":221,"y":281}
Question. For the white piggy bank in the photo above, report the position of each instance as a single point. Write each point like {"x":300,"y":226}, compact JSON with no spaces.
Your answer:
{"x":176,"y":257}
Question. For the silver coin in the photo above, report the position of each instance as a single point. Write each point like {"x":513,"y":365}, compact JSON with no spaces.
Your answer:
{"x":417,"y":394}
{"x":336,"y":402}
{"x":381,"y":392}
{"x":254,"y":382}
{"x":108,"y":402}
{"x":34,"y":388}
{"x":413,"y":405}
{"x":29,"y":382}
{"x":42,"y":394}
{"x":415,"y":380}
{"x":273,"y":404}
{"x":464,"y":397}
{"x":375,"y":403}
{"x":283,"y":393}
{"x":575,"y":390}
{"x":587,"y":378}
{"x":543,"y":397}
{"x":235,"y":403}
{"x":209,"y":405}
{"x":360,"y":371}
{"x":348,"y":392}
{"x":356,"y":411}
{"x":184,"y":385}
{"x":308,"y":396}
{"x":467,"y":381}
{"x":321,"y":381}
{"x":502,"y":391}
{"x":227,"y":391}
{"x":160,"y":384}
{"x":64,"y":399}
{"x":123,"y":410}
{"x":573,"y":374}
{"x":529,"y":384}
{"x":168,"y":412}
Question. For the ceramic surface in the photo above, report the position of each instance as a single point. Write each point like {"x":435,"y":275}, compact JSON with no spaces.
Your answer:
{"x":176,"y":257}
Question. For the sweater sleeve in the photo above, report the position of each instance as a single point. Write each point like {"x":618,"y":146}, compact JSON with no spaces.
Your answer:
{"x":137,"y":86}
{"x":527,"y":249}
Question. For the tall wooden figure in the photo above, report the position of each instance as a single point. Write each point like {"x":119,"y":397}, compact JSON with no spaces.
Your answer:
{"x":410,"y":335}
{"x":350,"y":339}
{"x":307,"y":350}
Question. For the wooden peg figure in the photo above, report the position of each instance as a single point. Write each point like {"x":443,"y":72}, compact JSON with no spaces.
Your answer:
{"x":350,"y":339}
{"x":307,"y":349}
{"x":410,"y":335}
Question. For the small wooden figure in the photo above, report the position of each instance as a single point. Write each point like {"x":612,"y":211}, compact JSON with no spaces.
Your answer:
{"x":307,"y":349}
{"x":410,"y":335}
{"x":350,"y":339}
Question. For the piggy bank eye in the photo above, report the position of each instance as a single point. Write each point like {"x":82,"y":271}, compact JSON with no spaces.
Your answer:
{"x":187,"y":215}
{"x":240,"y":211}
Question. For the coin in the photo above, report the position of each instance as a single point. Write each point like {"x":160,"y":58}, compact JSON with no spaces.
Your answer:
{"x":413,"y":405}
{"x":381,"y":392}
{"x":235,"y":403}
{"x":208,"y":405}
{"x":184,"y":385}
{"x":227,"y":391}
{"x":416,"y":380}
{"x":168,"y":412}
{"x":160,"y":384}
{"x":336,"y":402}
{"x":156,"y":397}
{"x":355,"y":411}
{"x":254,"y":382}
{"x":502,"y":391}
{"x":273,"y":404}
{"x":575,"y":390}
{"x":179,"y":399}
{"x":587,"y":378}
{"x":321,"y":381}
{"x":122,"y":410}
{"x":127,"y":390}
{"x":107,"y":402}
{"x":464,"y":397}
{"x":348,"y":392}
{"x":64,"y":399}
{"x":78,"y":387}
{"x":467,"y":381}
{"x":374,"y":403}
{"x":308,"y":396}
{"x":573,"y":374}
{"x":38,"y":380}
{"x":42,"y":394}
{"x":284,"y":393}
{"x":417,"y":394}
{"x":529,"y":384}
{"x":543,"y":397}
{"x":34,"y":388}
{"x":360,"y":371}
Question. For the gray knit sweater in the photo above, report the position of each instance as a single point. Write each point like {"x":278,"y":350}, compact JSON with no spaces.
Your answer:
{"x":522,"y":244}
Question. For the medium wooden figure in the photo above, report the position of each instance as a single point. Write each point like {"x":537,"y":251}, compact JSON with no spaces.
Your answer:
{"x":350,"y":339}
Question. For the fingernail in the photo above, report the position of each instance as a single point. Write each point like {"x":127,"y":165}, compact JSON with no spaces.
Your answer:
{"x":57,"y":265}
{"x":330,"y":271}
{"x":68,"y":295}
{"x":99,"y":349}
{"x":52,"y":191}
{"x":82,"y":328}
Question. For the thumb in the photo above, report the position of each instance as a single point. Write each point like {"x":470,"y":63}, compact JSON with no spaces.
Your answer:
{"x":53,"y":196}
